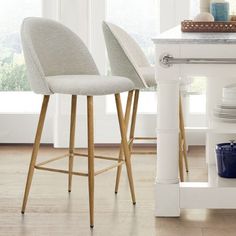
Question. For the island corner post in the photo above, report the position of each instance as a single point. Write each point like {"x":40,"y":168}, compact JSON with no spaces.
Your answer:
{"x":167,"y":176}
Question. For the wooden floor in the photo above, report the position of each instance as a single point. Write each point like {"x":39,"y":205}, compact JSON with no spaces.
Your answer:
{"x":52,"y":211}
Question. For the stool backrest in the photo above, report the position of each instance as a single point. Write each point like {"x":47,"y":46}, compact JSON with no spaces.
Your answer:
{"x":50,"y":49}
{"x":124,"y":54}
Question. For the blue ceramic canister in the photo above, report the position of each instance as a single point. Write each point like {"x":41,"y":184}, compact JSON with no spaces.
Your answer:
{"x":226,"y":159}
{"x":220,"y":10}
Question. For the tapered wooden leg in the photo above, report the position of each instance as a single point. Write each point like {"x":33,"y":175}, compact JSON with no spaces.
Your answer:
{"x":182,"y":132}
{"x":35,"y":150}
{"x":90,"y":158}
{"x":72,"y":139}
{"x":125,"y":145}
{"x":133,"y":121}
{"x":127,"y":116}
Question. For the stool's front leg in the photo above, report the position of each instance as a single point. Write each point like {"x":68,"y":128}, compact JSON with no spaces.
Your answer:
{"x":90,"y":158}
{"x":35,"y":150}
{"x":72,"y":139}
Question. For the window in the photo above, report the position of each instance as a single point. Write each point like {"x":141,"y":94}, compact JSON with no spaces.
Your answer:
{"x":232,"y":7}
{"x":13,"y":81}
{"x":140,"y":20}
{"x":194,"y":8}
{"x":197,"y":95}
{"x":194,"y":101}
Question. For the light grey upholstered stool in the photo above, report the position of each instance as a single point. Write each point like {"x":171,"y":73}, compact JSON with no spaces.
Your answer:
{"x":58,"y":62}
{"x":127,"y":59}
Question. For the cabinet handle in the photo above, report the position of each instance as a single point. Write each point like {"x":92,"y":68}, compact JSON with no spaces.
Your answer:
{"x":167,"y":60}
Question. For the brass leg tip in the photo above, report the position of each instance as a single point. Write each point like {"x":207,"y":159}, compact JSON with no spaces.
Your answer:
{"x":91,"y":226}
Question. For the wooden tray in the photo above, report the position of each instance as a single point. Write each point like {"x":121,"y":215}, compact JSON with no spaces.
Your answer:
{"x":220,"y":27}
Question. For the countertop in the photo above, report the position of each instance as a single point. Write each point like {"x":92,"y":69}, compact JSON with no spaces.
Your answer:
{"x":176,"y":36}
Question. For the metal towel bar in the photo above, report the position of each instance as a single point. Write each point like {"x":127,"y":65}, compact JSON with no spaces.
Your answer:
{"x":167,"y":60}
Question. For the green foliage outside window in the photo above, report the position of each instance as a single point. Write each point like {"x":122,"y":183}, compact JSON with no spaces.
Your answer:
{"x":12,"y":67}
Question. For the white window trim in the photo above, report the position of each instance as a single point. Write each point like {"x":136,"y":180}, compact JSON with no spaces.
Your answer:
{"x":19,"y":127}
{"x":84,"y":17}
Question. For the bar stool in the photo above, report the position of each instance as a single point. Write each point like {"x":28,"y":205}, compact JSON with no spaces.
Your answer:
{"x":58,"y":62}
{"x":127,"y":59}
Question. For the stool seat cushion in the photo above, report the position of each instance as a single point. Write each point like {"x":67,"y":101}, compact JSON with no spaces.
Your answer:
{"x":89,"y":85}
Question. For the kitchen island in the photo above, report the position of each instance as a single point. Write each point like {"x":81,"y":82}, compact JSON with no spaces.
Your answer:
{"x":180,"y":56}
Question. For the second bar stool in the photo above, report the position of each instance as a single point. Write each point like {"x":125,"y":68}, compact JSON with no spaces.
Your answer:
{"x":127,"y":59}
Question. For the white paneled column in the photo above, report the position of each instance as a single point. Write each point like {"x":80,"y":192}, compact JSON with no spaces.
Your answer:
{"x":85,"y":18}
{"x":97,"y":43}
{"x":76,"y":15}
{"x":50,"y":9}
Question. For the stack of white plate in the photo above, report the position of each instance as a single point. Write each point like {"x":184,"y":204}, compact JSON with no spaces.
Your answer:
{"x":226,"y":111}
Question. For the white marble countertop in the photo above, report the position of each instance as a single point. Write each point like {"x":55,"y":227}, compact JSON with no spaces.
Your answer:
{"x":176,"y":36}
